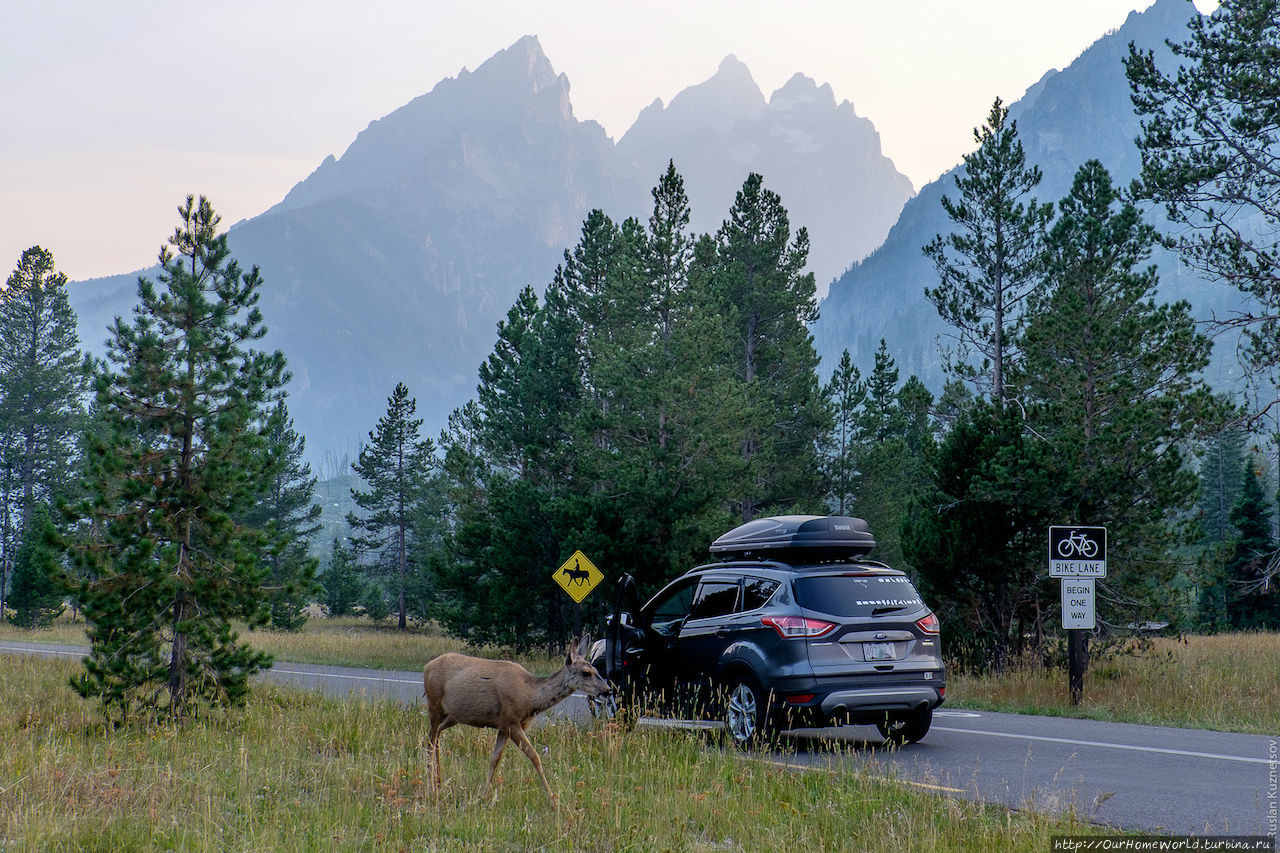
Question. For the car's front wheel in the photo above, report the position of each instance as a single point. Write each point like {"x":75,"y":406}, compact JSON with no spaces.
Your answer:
{"x":905,"y":729}
{"x":746,"y":715}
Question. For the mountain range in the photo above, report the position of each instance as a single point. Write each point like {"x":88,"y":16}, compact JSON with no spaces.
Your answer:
{"x":1069,"y":116}
{"x":395,"y":261}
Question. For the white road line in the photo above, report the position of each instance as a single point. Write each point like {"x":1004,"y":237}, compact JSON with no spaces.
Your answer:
{"x":1183,"y":752}
{"x":26,"y":651}
{"x":278,"y":671}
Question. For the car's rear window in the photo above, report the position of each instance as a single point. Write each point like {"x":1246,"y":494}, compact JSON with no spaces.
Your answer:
{"x":857,"y":595}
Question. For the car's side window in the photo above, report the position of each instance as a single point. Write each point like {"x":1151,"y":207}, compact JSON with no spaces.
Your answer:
{"x":715,"y":598}
{"x":669,"y":611}
{"x":756,"y":592}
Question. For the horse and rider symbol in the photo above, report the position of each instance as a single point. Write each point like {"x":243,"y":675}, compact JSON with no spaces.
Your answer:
{"x":578,"y":576}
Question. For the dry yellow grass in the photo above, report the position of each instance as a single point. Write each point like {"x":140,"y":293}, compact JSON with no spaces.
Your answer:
{"x":1228,"y":682}
{"x":345,"y":641}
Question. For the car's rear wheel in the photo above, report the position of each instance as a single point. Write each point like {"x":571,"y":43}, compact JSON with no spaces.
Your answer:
{"x":899,"y":730}
{"x":746,"y":716}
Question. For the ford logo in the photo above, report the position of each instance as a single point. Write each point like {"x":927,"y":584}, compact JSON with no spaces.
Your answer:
{"x":881,"y":635}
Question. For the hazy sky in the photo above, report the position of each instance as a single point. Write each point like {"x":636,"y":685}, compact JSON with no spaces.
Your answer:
{"x":113,"y":112}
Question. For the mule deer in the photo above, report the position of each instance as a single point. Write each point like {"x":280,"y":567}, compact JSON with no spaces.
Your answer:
{"x":501,"y":695}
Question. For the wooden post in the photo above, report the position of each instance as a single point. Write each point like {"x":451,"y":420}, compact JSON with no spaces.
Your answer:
{"x":1077,"y":662}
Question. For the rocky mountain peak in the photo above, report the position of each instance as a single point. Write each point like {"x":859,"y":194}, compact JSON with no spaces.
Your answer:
{"x":802,"y":90}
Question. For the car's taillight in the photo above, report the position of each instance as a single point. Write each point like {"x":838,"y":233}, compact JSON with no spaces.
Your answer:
{"x":929,"y":624}
{"x":794,"y":627}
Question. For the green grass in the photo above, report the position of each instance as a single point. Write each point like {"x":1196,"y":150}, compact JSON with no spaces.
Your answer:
{"x":296,"y":771}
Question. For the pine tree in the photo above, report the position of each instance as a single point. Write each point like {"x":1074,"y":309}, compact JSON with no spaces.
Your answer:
{"x":501,"y":455}
{"x":286,"y":513}
{"x":394,"y":466}
{"x":660,"y":440}
{"x":1222,"y":469}
{"x":41,"y":383}
{"x":1210,"y":155}
{"x":767,"y":300}
{"x":1118,"y":380}
{"x":1253,"y":570}
{"x":881,"y":419}
{"x":846,"y":393}
{"x":179,"y":457}
{"x":894,"y":436}
{"x":975,"y":536}
{"x":341,"y":581}
{"x":38,"y":589}
{"x":989,"y":266}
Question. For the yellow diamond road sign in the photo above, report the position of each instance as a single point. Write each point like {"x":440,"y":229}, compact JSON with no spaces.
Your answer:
{"x":578,"y":576}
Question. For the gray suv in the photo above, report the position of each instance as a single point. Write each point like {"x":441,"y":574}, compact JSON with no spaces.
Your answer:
{"x":794,"y":626}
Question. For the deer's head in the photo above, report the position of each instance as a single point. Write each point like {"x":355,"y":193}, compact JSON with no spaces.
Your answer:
{"x":582,"y":676}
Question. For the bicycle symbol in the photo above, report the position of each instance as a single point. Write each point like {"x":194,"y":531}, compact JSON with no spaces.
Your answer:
{"x":1077,"y":544}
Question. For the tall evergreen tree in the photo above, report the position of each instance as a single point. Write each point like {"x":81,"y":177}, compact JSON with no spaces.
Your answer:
{"x":41,"y":383}
{"x":180,"y":455}
{"x":343,"y":586}
{"x":1118,"y":377}
{"x":39,"y":593}
{"x":881,"y":417}
{"x":987,"y":268}
{"x":895,"y":435}
{"x":1222,"y":469}
{"x":975,"y":536}
{"x":287,"y":514}
{"x":1210,"y":155}
{"x":661,"y":439}
{"x":767,"y":300}
{"x":1253,"y":569}
{"x":846,"y":393}
{"x":394,"y":466}
{"x":1222,"y":465}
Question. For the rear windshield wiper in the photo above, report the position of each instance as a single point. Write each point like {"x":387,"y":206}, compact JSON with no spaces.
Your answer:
{"x":880,"y":611}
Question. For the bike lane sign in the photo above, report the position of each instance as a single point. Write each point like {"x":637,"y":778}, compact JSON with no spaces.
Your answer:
{"x":1077,"y":551}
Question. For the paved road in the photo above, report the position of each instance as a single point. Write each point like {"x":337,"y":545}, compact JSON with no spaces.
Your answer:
{"x":1135,"y":777}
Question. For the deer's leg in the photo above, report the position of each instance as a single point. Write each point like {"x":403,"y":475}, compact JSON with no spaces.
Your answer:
{"x":522,"y":741}
{"x":495,"y":757}
{"x":433,"y":744}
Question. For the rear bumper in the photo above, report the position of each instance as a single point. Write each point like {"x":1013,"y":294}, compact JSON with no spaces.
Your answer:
{"x":844,"y":703}
{"x":858,"y":700}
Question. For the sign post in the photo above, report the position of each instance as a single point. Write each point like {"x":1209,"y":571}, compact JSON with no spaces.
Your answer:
{"x":1077,"y":555}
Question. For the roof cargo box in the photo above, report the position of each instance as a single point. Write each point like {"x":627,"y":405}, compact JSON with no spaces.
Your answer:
{"x":812,"y":537}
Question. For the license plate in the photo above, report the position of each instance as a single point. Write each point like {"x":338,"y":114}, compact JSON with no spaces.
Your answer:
{"x":877,"y":651}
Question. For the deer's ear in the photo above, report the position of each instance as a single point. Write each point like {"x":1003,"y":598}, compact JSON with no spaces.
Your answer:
{"x":569,"y":652}
{"x":583,"y":646}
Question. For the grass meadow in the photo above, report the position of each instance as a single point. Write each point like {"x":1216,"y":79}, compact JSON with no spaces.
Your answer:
{"x":296,"y":771}
{"x":1225,"y":682}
